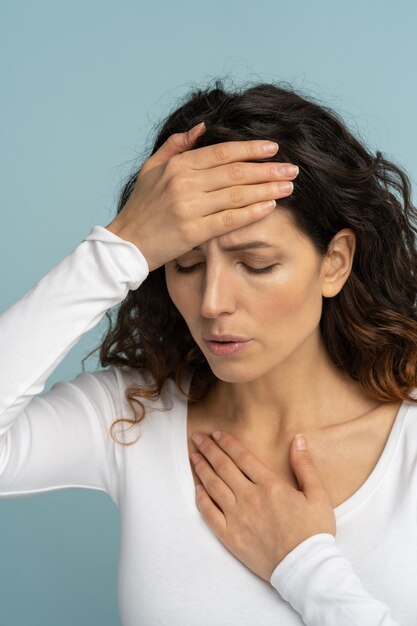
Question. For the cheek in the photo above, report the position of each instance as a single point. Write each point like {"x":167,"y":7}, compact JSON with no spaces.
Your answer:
{"x":297,"y":302}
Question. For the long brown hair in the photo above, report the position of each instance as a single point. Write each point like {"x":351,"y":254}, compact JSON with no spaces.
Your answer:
{"x":369,"y":328}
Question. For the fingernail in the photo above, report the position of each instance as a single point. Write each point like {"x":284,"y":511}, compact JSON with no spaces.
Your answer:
{"x":286,"y":187}
{"x":217,"y":435}
{"x":270,"y":148}
{"x":197,"y":439}
{"x":268,"y":205}
{"x":197,"y":126}
{"x":291,"y":170}
{"x":300,"y":442}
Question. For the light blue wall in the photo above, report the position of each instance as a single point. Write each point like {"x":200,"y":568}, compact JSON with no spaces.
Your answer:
{"x":83,"y":83}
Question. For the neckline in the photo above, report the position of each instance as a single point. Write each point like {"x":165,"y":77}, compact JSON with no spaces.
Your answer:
{"x":341,"y":511}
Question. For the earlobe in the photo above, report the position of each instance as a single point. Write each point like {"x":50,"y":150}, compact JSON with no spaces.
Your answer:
{"x":338,"y":262}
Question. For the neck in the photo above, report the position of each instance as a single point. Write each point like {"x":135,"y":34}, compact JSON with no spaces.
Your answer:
{"x":304,"y":394}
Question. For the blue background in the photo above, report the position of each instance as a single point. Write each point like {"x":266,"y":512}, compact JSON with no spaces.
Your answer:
{"x":83,"y":85}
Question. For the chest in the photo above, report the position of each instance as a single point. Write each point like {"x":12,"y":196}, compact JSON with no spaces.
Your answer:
{"x":344,"y":457}
{"x":170,"y":557}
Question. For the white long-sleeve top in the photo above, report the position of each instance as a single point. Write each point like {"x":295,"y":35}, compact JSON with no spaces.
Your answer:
{"x":172,"y":568}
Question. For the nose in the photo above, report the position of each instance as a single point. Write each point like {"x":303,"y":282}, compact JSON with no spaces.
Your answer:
{"x":218,"y":292}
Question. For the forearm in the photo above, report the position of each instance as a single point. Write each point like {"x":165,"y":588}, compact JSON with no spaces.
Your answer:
{"x":321,"y":585}
{"x":38,"y":330}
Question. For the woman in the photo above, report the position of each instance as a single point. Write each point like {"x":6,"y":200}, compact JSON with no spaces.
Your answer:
{"x":310,"y":330}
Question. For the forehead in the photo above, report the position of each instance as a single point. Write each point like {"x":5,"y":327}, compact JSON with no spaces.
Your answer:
{"x":276,"y":228}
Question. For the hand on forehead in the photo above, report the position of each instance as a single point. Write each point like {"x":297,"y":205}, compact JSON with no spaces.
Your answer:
{"x":272,"y":227}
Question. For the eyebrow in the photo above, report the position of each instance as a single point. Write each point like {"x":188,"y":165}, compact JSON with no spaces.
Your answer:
{"x":244,"y":246}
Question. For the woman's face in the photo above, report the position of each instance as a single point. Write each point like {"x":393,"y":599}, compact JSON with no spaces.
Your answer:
{"x":277,"y":310}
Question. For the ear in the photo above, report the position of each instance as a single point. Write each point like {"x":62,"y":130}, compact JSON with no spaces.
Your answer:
{"x":337,"y":263}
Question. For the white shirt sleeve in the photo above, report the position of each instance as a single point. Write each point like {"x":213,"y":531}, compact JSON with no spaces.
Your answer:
{"x":322,"y":586}
{"x":60,"y":439}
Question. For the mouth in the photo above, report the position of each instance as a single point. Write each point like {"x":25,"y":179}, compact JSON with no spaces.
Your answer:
{"x":226,"y":338}
{"x":226,"y":348}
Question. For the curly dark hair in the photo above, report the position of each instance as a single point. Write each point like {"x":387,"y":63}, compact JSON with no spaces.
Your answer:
{"x":369,"y":328}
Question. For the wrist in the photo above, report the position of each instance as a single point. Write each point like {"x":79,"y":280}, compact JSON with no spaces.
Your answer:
{"x":114,"y":227}
{"x":118,"y":229}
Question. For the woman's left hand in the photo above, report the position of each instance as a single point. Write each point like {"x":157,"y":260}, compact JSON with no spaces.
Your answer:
{"x":260,"y":518}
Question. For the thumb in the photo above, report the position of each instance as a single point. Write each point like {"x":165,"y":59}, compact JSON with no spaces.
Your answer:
{"x":304,"y":468}
{"x":179,"y":142}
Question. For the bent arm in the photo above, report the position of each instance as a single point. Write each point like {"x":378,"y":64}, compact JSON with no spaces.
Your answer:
{"x":36,"y":333}
{"x":322,"y":586}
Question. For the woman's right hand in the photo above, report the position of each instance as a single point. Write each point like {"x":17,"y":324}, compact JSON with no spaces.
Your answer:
{"x":184,"y":197}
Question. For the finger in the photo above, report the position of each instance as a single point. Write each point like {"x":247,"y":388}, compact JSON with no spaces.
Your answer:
{"x":189,"y":137}
{"x":245,"y":195}
{"x":250,"y":464}
{"x":176,"y":144}
{"x":211,"y":514}
{"x":223,"y":222}
{"x":213,"y":484}
{"x":233,"y":174}
{"x":227,"y":152}
{"x":305,"y":471}
{"x":222,"y":464}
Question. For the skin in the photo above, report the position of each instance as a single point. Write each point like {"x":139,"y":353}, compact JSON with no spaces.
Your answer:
{"x":184,"y":197}
{"x":283,"y":380}
{"x":260,"y":501}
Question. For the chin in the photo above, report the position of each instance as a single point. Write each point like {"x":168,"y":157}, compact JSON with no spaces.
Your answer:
{"x":234,"y":373}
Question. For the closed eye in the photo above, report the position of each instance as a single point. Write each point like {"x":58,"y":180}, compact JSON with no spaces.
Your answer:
{"x":251,"y":270}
